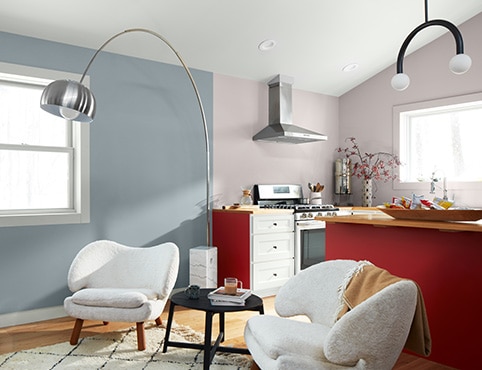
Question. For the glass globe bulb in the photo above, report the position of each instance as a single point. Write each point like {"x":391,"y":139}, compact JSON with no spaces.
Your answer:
{"x":400,"y":81}
{"x":460,"y":63}
{"x":68,"y":113}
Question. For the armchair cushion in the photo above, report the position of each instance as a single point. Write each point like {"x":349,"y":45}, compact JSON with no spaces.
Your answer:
{"x":270,"y":333}
{"x":113,"y":297}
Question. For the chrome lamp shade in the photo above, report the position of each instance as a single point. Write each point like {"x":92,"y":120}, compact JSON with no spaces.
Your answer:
{"x":70,"y":100}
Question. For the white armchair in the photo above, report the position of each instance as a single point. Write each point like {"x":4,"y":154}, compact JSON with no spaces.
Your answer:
{"x":113,"y":282}
{"x":370,"y":336}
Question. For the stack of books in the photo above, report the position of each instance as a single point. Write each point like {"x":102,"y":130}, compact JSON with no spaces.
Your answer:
{"x":219,"y":297}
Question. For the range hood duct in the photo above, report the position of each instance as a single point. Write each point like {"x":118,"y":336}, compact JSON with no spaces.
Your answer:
{"x":281,"y":128}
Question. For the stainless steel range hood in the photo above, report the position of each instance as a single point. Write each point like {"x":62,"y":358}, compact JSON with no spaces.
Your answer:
{"x":281,"y":128}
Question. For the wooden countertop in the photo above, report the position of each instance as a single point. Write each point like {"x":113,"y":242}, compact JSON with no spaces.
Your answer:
{"x":255,"y":210}
{"x":380,"y":219}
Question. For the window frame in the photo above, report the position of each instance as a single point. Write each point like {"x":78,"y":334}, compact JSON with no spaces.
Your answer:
{"x":423,"y":186}
{"x":80,"y":212}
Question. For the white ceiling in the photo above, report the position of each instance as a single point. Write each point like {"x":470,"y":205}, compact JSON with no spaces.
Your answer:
{"x":315,"y":38}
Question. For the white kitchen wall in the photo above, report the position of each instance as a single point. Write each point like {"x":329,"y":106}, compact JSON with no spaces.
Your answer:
{"x":240,"y":111}
{"x":366,"y":111}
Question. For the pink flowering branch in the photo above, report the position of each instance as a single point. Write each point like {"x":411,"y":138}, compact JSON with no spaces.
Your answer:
{"x":376,"y":166}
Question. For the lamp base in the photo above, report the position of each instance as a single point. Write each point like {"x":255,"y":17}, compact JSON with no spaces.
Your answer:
{"x":203,"y":266}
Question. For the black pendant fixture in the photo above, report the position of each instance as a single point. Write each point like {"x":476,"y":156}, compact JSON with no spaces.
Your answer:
{"x":459,"y":64}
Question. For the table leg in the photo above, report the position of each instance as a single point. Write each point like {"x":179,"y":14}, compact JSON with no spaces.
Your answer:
{"x":207,"y":340}
{"x":168,"y":328}
{"x":221,"y":326}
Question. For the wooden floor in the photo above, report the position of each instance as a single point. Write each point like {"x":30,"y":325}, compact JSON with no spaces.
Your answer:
{"x":58,"y":330}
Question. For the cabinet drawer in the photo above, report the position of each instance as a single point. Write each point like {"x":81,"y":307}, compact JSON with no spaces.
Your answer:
{"x":267,"y":275}
{"x":269,"y":247}
{"x":272,"y":223}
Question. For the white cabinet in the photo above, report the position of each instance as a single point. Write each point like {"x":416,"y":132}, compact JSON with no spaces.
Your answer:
{"x":271,"y":252}
{"x":258,"y":249}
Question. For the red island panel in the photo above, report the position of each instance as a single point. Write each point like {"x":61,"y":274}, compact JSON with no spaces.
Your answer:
{"x":447,"y":267}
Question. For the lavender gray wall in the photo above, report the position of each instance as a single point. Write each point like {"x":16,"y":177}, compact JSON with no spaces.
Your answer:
{"x":366,"y":111}
{"x":241,"y":111}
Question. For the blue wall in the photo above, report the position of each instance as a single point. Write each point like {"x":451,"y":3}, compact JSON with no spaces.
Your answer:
{"x":147,"y":168}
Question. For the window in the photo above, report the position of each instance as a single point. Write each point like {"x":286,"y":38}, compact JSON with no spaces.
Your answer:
{"x":439,"y":139}
{"x":44,"y":160}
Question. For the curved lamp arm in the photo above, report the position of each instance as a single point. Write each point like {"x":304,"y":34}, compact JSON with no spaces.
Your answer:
{"x":74,"y":101}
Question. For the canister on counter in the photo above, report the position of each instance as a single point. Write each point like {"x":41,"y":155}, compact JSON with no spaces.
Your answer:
{"x":342,"y":176}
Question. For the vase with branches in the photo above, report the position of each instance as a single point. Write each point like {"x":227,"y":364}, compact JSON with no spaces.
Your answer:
{"x":370,"y":167}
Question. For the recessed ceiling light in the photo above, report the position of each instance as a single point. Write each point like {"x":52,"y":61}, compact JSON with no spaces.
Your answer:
{"x":267,"y":45}
{"x":350,"y":67}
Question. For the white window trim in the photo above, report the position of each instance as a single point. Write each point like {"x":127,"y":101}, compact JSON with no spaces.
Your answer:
{"x":424,"y":185}
{"x":81,"y":180}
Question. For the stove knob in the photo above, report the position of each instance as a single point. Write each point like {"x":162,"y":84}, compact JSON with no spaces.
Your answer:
{"x":303,"y":215}
{"x":310,"y":215}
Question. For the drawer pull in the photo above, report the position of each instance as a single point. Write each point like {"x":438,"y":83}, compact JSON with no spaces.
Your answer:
{"x":275,"y":224}
{"x":275,"y":247}
{"x":275,"y":274}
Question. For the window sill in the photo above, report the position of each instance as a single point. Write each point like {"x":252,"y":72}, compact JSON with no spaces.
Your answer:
{"x":44,"y":219}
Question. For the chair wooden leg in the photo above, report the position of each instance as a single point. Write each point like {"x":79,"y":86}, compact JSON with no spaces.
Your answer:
{"x":159,"y":321}
{"x":141,"y":336}
{"x":254,"y":366}
{"x":74,"y":338}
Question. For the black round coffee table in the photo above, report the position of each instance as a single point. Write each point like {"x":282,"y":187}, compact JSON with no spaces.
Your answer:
{"x":253,"y":303}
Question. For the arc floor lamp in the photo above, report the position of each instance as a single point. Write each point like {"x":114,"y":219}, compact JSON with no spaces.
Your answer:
{"x":459,"y":64}
{"x":74,"y":101}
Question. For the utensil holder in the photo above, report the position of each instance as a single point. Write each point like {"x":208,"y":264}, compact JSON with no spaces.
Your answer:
{"x":316,"y":198}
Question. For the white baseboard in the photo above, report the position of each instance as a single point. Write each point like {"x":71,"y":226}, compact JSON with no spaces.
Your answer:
{"x":24,"y":317}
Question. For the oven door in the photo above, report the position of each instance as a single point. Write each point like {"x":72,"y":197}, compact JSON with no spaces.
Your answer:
{"x":309,"y":243}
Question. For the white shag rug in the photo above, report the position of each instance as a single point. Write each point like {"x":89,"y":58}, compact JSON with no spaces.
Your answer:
{"x":118,"y":350}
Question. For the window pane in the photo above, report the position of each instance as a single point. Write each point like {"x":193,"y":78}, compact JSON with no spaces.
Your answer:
{"x":34,"y":180}
{"x":444,"y":141}
{"x":23,"y":122}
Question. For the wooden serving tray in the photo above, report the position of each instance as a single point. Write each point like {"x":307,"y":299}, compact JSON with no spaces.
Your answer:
{"x":434,"y":215}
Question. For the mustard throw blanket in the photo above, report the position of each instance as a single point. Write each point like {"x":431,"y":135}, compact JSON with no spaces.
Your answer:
{"x":368,"y":280}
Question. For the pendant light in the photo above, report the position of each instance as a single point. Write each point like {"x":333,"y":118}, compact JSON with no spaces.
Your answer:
{"x":459,"y":64}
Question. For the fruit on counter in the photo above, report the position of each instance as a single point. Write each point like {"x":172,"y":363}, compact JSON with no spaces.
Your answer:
{"x":393,"y":205}
{"x":419,"y":202}
{"x":445,"y":203}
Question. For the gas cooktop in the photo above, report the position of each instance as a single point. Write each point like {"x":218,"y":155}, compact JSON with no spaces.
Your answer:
{"x":301,"y":207}
{"x":290,"y":196}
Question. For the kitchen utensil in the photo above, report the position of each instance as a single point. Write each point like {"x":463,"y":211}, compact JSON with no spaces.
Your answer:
{"x":319,"y":188}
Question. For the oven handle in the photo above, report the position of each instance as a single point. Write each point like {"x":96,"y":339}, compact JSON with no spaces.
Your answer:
{"x":310,"y":225}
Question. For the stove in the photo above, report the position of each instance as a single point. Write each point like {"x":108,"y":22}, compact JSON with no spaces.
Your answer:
{"x":309,"y":234}
{"x":290,"y":197}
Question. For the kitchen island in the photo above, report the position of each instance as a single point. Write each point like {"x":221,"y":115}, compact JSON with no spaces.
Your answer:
{"x":444,"y":258}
